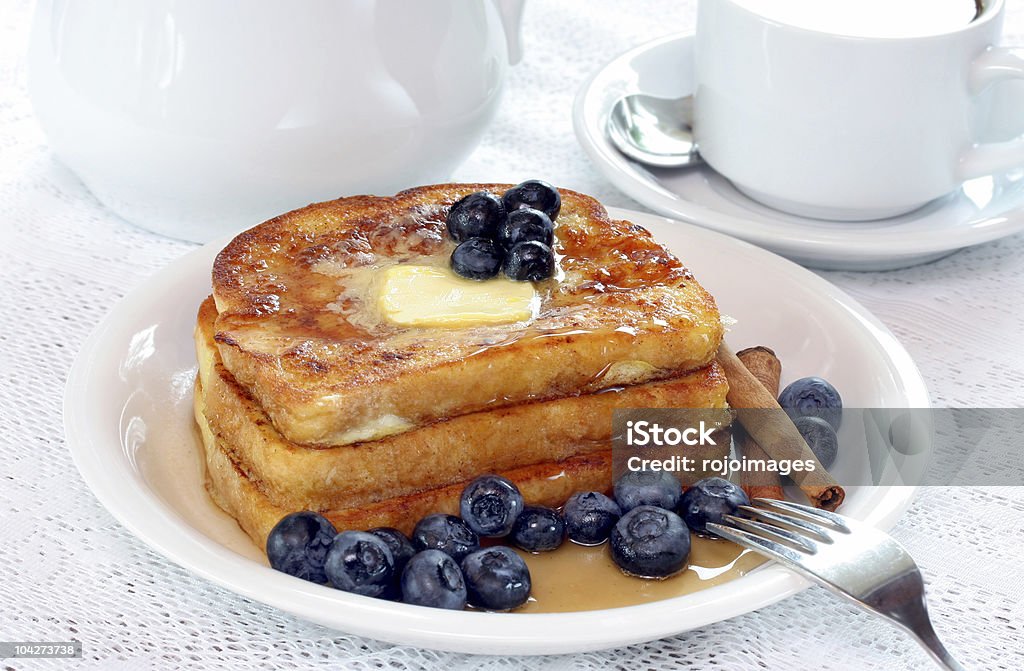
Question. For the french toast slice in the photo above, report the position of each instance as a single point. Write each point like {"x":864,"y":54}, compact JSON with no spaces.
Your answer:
{"x":298,"y":326}
{"x":297,"y":477}
{"x":547,"y":484}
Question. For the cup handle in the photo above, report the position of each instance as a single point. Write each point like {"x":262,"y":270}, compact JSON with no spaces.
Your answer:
{"x":995,"y":65}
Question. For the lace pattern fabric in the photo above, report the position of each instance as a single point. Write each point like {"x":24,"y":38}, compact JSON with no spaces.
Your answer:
{"x":70,"y":571}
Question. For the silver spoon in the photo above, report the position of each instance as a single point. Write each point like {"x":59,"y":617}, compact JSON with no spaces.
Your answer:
{"x":654,"y":131}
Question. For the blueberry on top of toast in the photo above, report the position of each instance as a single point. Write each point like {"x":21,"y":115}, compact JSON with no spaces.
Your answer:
{"x":477,"y":215}
{"x":492,"y":237}
{"x":534,"y":194}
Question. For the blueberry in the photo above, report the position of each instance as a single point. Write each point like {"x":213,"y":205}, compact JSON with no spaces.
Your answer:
{"x":401,"y":551}
{"x":538,"y":529}
{"x":815,"y":397}
{"x":534,"y":194}
{"x":589,"y":517}
{"x":477,"y":259}
{"x":496,"y":578}
{"x":490,"y":504}
{"x":399,"y":544}
{"x":361,"y":563}
{"x":647,"y":488}
{"x":524,"y":225}
{"x":475,"y":216}
{"x":298,"y":545}
{"x":820,"y":437}
{"x":446,"y":533}
{"x":530,"y":260}
{"x":650,"y":542}
{"x":710,"y":500}
{"x":432,"y":578}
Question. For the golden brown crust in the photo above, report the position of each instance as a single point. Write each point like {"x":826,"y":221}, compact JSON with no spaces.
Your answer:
{"x":299,"y":477}
{"x":286,"y":329}
{"x":547,"y":484}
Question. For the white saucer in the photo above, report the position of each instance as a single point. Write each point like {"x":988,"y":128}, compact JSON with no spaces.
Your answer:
{"x":982,"y":210}
{"x":129,"y":427}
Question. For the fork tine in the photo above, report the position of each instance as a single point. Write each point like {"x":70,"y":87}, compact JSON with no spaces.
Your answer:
{"x":815,"y":514}
{"x":775,"y":550}
{"x":789,"y":521}
{"x":774,"y":533}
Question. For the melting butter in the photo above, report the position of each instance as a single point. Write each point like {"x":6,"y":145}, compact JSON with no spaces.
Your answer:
{"x":375,"y":429}
{"x":412,"y":295}
{"x":628,"y":372}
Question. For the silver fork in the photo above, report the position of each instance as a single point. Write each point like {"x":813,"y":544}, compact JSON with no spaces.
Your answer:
{"x":848,"y":557}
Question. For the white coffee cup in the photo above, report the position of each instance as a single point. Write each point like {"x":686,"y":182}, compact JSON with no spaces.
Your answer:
{"x":825,"y":124}
{"x":196,"y":118}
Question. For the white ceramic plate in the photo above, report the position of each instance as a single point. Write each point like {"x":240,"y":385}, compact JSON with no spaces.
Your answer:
{"x":127,"y":413}
{"x":982,"y":210}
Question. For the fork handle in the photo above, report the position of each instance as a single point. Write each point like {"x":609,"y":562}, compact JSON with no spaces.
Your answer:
{"x":929,"y":640}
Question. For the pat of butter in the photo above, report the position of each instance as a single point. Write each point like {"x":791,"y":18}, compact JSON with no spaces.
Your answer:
{"x":433,"y":296}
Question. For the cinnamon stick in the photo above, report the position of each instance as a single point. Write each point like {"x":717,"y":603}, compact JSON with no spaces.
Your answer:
{"x":775,"y":432}
{"x":766,"y":367}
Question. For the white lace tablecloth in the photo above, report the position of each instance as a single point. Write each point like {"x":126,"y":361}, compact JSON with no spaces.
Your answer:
{"x":70,"y":571}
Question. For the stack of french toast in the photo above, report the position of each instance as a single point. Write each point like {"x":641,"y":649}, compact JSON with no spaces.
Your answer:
{"x":313,"y":393}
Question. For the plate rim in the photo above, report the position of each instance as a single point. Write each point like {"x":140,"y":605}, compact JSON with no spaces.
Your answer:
{"x":836,"y":245}
{"x":121,"y":491}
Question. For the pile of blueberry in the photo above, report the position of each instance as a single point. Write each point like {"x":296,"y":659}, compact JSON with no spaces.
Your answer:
{"x":444,"y":566}
{"x":816,"y":409}
{"x":441,"y":565}
{"x":511,"y":233}
{"x":647,"y":524}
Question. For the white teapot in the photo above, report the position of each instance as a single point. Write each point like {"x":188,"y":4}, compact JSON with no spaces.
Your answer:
{"x":195,"y":118}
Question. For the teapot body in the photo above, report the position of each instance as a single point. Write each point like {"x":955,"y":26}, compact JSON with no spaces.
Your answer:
{"x":195,"y":118}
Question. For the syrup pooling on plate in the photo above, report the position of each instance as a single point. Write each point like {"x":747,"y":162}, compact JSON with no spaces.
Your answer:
{"x":574,"y":577}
